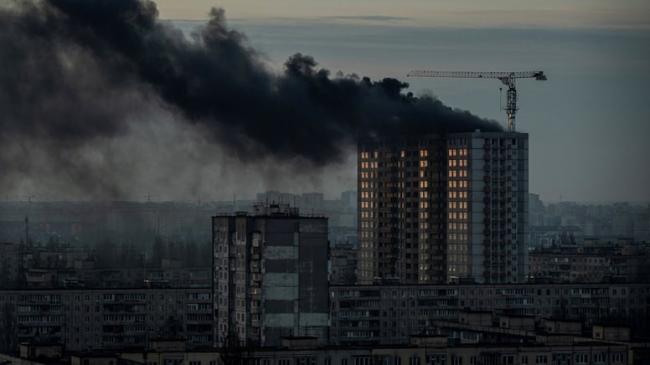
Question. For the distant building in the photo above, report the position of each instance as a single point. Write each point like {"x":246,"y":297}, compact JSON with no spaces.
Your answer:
{"x":591,"y":263}
{"x":10,"y":260}
{"x":369,"y":315}
{"x":444,"y":208}
{"x":546,"y":236}
{"x":270,"y":276}
{"x":343,"y":265}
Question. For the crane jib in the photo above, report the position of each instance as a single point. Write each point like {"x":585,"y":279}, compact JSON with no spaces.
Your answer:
{"x":507,"y":78}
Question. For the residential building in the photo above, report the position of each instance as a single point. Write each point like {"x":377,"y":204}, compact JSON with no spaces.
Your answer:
{"x":104,"y":319}
{"x":421,"y":350}
{"x":270,"y":276}
{"x":443,"y":208}
{"x":391,"y":314}
{"x":343,"y":265}
{"x":591,"y":263}
{"x":10,"y":260}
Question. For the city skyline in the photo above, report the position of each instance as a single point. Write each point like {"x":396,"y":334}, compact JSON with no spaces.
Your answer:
{"x":301,"y":182}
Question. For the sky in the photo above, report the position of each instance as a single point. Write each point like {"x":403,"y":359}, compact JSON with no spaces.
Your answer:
{"x":473,"y":13}
{"x":588,"y":124}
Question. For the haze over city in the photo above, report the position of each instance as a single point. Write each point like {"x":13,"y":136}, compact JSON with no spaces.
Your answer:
{"x":595,"y":55}
{"x":355,"y":182}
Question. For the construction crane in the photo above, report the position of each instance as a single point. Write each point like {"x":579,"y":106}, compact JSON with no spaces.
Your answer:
{"x":507,"y":78}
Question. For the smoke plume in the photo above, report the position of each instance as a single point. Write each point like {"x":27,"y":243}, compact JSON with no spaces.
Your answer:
{"x":78,"y":75}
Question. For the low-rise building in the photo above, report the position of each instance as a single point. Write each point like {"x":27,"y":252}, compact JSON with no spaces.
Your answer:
{"x":590,"y":263}
{"x":104,"y":319}
{"x":390,"y":314}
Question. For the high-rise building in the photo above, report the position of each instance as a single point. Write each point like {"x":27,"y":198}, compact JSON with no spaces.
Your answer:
{"x":270,"y":276}
{"x":444,"y":208}
{"x":401,"y":192}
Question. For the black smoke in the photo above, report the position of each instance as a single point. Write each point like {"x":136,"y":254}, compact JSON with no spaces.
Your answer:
{"x":75,"y":72}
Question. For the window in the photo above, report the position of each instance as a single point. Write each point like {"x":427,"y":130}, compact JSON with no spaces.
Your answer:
{"x":617,"y":357}
{"x":362,"y":360}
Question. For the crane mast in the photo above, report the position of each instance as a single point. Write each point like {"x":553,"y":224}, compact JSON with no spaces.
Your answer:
{"x":507,"y":78}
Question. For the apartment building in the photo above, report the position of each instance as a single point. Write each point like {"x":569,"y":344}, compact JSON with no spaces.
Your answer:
{"x":391,"y":314}
{"x":591,"y":263}
{"x":104,"y":319}
{"x":443,"y":208}
{"x":422,"y":350}
{"x":270,"y":276}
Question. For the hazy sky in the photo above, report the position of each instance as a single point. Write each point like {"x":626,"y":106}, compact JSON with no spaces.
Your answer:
{"x":589,"y":124}
{"x":547,"y":13}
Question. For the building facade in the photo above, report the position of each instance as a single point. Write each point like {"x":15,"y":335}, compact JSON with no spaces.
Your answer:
{"x":446,"y":208}
{"x":401,"y":207}
{"x":104,"y":319}
{"x":590,"y":263}
{"x":391,"y":314}
{"x":423,"y":350}
{"x":270,"y":276}
{"x":343,"y":265}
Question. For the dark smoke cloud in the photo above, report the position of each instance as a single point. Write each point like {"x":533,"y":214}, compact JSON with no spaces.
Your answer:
{"x":75,"y":73}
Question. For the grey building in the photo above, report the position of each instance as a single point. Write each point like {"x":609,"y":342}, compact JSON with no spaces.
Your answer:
{"x":391,"y":314}
{"x":487,"y":218}
{"x":443,"y":208}
{"x":343,"y":265}
{"x":430,"y":350}
{"x":104,"y":319}
{"x":10,"y":264}
{"x":270,"y":276}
